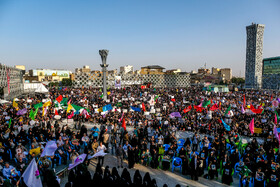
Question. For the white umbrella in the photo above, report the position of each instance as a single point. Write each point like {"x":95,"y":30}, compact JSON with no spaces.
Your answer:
{"x":57,"y":117}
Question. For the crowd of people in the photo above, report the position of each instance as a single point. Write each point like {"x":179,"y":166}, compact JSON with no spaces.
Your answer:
{"x":219,"y":122}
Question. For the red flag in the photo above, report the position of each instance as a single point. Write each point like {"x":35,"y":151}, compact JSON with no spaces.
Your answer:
{"x":198,"y":108}
{"x":244,"y":101}
{"x":214,"y":107}
{"x":173,"y":100}
{"x":209,"y":126}
{"x":188,"y":109}
{"x":256,"y":111}
{"x":59,"y":98}
{"x":143,"y":107}
{"x":55,"y":112}
{"x":211,"y":101}
{"x":123,"y":124}
{"x":143,"y":87}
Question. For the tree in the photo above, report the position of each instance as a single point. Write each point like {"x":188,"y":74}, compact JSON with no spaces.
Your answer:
{"x":66,"y":82}
{"x":238,"y":80}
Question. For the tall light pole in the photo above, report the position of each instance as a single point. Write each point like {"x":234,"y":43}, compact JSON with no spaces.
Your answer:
{"x":104,"y":53}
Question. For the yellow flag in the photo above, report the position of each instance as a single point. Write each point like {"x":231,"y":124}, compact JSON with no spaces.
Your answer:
{"x":47,"y":104}
{"x":100,"y":109}
{"x":69,"y":108}
{"x":44,"y":111}
{"x":36,"y":151}
{"x":108,"y":93}
{"x":15,"y":103}
{"x":257,"y":130}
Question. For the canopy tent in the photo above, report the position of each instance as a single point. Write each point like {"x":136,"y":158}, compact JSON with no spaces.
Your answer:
{"x":42,"y":89}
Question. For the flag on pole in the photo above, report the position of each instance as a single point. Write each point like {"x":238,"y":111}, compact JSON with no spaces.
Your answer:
{"x":214,"y":107}
{"x":244,"y":101}
{"x":252,"y":126}
{"x":242,"y":110}
{"x":121,"y":117}
{"x":10,"y":122}
{"x":227,"y":110}
{"x":38,"y":105}
{"x":59,"y":98}
{"x":55,"y":112}
{"x":80,"y":159}
{"x":46,"y":104}
{"x":69,"y":108}
{"x":15,"y":105}
{"x":49,"y":149}
{"x":143,"y":107}
{"x":22,"y":112}
{"x":276,"y":134}
{"x":123,"y":123}
{"x":135,"y":109}
{"x":31,"y":175}
{"x":275,"y":119}
{"x":227,"y":127}
{"x":71,"y":115}
{"x":206,"y":103}
{"x":188,"y":109}
{"x":175,"y":114}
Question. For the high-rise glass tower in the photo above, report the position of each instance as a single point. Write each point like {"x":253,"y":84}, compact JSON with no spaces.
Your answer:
{"x":254,"y":56}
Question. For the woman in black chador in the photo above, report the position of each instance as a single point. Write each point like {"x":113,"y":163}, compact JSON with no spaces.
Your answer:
{"x":125,"y":178}
{"x":116,"y":176}
{"x":147,"y":180}
{"x":131,"y":157}
{"x":137,"y":179}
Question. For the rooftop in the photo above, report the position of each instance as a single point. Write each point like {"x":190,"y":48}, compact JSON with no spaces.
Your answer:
{"x":154,"y":67}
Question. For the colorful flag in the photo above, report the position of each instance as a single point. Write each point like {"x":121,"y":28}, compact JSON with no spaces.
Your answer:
{"x":22,"y":112}
{"x":198,"y":108}
{"x":69,"y":102}
{"x":123,"y":124}
{"x":275,"y":119}
{"x":31,"y":113}
{"x":64,"y":102}
{"x":45,"y":109}
{"x":31,"y":175}
{"x":107,"y":108}
{"x":173,"y":100}
{"x":100,"y":109}
{"x":227,"y":127}
{"x":256,"y":111}
{"x":46,"y":104}
{"x":80,"y":159}
{"x":10,"y":122}
{"x":214,"y":107}
{"x":59,"y":98}
{"x":55,"y":112}
{"x":206,"y":103}
{"x":143,"y":107}
{"x":175,"y":114}
{"x":252,"y":126}
{"x":71,"y":115}
{"x":38,"y":105}
{"x":135,"y":109}
{"x":69,"y":108}
{"x":188,"y":109}
{"x":100,"y":153}
{"x":242,"y":110}
{"x":15,"y":105}
{"x":49,"y":149}
{"x":227,"y":110}
{"x":276,"y":134}
{"x":244,"y":101}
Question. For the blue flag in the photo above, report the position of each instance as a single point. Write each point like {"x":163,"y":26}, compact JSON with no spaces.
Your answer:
{"x":107,"y":107}
{"x":227,"y":127}
{"x":135,"y":109}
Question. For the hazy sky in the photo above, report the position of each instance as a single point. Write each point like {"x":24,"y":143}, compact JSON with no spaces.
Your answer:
{"x":182,"y":34}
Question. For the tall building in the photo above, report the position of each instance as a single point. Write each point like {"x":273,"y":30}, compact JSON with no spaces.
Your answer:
{"x":254,"y":56}
{"x":271,"y":73}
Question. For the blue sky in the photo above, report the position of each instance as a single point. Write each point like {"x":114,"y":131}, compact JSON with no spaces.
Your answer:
{"x":174,"y":34}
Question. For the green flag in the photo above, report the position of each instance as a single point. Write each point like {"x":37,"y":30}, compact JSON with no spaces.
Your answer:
{"x":228,"y":109}
{"x":118,"y":104}
{"x":156,"y":97}
{"x":209,"y":88}
{"x":277,"y":115}
{"x":10,"y":122}
{"x":100,"y":90}
{"x":38,"y":105}
{"x":64,"y":102}
{"x":206,"y":103}
{"x":101,"y":96}
{"x":31,"y":114}
{"x":76,"y":107}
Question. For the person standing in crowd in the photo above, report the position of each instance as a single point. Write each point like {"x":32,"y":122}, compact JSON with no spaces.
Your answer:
{"x":100,"y":148}
{"x":119,"y":154}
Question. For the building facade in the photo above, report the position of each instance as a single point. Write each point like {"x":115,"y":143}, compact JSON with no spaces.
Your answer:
{"x":48,"y":74}
{"x":254,"y":56}
{"x":152,"y":70}
{"x":271,"y":73}
{"x":126,"y":69}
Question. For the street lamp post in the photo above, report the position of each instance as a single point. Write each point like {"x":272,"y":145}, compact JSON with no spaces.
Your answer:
{"x":104,"y":53}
